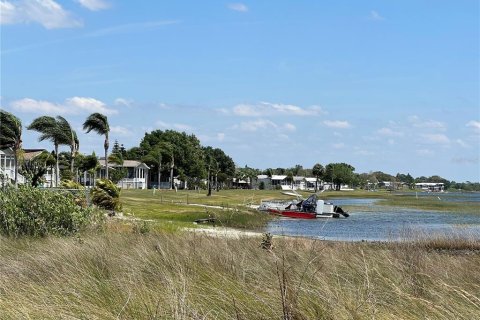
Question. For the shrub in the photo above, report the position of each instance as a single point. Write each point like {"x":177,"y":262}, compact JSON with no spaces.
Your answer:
{"x":39,"y":212}
{"x":106,"y":195}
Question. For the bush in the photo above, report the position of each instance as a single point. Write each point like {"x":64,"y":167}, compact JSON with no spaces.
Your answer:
{"x":39,"y":212}
{"x":106,"y":195}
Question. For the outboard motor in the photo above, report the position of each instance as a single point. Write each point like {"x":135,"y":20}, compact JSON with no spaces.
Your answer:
{"x":340,"y":211}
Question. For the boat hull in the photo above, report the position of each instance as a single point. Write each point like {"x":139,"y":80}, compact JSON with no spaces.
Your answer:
{"x":293,"y":214}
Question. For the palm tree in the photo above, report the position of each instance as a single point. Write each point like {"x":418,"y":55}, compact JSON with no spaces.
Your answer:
{"x":11,"y":136}
{"x":72,"y":137}
{"x":57,"y":131}
{"x":99,"y":123}
{"x":318,"y":171}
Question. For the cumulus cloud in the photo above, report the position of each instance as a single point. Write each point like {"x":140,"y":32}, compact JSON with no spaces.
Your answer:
{"x":463,"y":160}
{"x":389,"y":132}
{"x":75,"y":105}
{"x":289,"y":127}
{"x":123,"y":102}
{"x":94,"y":5}
{"x":255,"y":125}
{"x":425,"y":152}
{"x":416,"y":122}
{"x":475,"y":125}
{"x":436,"y":138}
{"x":122,"y":131}
{"x":271,"y":109}
{"x":48,"y":13}
{"x":240,"y":7}
{"x":337,"y":124}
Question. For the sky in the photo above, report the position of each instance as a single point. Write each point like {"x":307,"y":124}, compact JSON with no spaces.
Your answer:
{"x":381,"y":85}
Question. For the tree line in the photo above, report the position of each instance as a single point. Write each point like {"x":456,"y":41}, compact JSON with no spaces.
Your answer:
{"x":172,"y":154}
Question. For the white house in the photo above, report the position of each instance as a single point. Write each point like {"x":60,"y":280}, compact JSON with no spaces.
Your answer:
{"x":137,"y":173}
{"x":7,"y":167}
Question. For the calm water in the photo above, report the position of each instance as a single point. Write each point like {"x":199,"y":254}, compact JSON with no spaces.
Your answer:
{"x":382,"y":223}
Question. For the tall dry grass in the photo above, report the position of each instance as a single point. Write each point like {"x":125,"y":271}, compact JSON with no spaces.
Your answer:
{"x":124,"y":275}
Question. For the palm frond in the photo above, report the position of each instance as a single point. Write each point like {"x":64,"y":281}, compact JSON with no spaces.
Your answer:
{"x":97,"y":122}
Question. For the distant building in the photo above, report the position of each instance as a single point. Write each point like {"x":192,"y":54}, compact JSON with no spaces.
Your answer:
{"x":431,"y":186}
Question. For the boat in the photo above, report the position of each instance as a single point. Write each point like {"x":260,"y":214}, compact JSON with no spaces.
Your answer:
{"x":310,"y":208}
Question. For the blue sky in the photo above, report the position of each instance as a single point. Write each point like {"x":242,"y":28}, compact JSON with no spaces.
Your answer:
{"x":381,"y":85}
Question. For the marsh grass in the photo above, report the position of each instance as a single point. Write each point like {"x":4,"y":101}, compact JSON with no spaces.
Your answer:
{"x":121,"y":274}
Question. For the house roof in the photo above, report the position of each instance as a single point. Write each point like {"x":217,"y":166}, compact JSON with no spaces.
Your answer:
{"x":278,"y":177}
{"x":29,"y":154}
{"x":126,"y":164}
{"x":262,"y":176}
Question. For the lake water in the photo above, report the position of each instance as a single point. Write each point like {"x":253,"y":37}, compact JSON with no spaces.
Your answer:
{"x":383,"y":223}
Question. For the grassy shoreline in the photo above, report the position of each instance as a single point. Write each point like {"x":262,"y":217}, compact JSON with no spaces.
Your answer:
{"x":117,"y":274}
{"x":230,"y":207}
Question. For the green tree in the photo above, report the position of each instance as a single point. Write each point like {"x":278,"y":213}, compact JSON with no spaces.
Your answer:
{"x":99,"y":123}
{"x":318,"y":171}
{"x":339,"y":173}
{"x":57,"y":131}
{"x":11,"y":136}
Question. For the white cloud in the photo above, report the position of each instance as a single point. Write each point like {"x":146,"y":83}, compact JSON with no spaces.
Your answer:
{"x":240,"y":7}
{"x":389,"y":132}
{"x":89,"y":104}
{"x":463,"y":160}
{"x":475,"y":125}
{"x":120,"y":130}
{"x":425,"y":152}
{"x":271,"y":109}
{"x":28,"y":105}
{"x":123,"y":102}
{"x":221,"y":136}
{"x":48,"y":13}
{"x":339,"y":145}
{"x":289,"y":127}
{"x":375,"y":16}
{"x":73,"y":105}
{"x":462,"y":143}
{"x":94,"y":5}
{"x":427,"y":124}
{"x":255,"y":125}
{"x":337,"y":124}
{"x":436,"y":138}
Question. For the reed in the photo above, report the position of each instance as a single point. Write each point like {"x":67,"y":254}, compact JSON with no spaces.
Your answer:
{"x":124,"y":274}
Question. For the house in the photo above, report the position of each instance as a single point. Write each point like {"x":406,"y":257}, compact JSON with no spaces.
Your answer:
{"x":7,"y":167}
{"x":7,"y":164}
{"x":430,"y":186}
{"x":136,"y":176}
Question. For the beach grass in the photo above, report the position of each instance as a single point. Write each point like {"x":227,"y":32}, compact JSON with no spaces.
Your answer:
{"x":123,"y":274}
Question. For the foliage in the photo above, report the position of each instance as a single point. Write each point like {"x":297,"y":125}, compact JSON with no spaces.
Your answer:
{"x":33,"y":171}
{"x":70,"y":184}
{"x":98,"y":123}
{"x":339,"y":173}
{"x":39,"y":212}
{"x":117,"y":174}
{"x":106,"y":195}
{"x":184,"y":149}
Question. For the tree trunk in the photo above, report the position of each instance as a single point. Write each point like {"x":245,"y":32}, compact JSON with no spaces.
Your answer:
{"x":106,"y":164}
{"x":15,"y":160}
{"x":159,"y":171}
{"x":209,"y":184}
{"x":72,"y":151}
{"x":57,"y":167}
{"x":171,"y":172}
